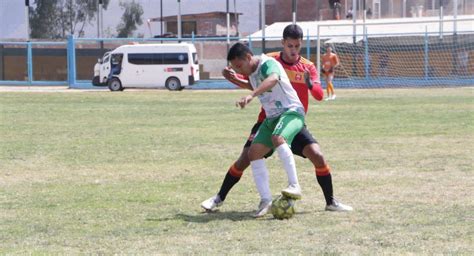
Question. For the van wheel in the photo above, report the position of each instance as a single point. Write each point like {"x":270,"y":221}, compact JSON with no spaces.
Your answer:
{"x":96,"y":81}
{"x":173,"y":84}
{"x":115,"y":85}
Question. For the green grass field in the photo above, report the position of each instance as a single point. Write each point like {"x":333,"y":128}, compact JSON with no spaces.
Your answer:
{"x":106,"y":173}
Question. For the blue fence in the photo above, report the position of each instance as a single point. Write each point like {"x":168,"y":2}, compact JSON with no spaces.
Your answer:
{"x":359,"y":81}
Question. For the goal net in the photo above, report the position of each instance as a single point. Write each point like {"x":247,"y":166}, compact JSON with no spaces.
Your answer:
{"x":404,"y":60}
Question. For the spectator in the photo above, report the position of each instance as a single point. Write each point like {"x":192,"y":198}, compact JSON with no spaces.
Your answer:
{"x":463,"y":62}
{"x":349,"y":13}
{"x":383,"y":64}
{"x":369,"y":13}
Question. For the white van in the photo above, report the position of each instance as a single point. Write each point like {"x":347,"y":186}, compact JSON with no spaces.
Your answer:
{"x":173,"y":66}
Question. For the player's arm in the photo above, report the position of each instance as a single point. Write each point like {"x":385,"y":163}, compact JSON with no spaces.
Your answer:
{"x":337,"y":61}
{"x":313,"y":83}
{"x":266,"y":85}
{"x":236,"y":79}
{"x":271,"y":73}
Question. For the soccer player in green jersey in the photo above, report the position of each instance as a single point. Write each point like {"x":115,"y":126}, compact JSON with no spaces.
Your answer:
{"x":285,"y":118}
{"x":305,"y":80}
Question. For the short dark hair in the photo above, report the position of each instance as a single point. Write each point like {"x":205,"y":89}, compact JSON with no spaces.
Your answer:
{"x":238,"y":50}
{"x":293,"y":31}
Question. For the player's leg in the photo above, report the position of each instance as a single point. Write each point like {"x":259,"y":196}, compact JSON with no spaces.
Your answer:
{"x":331,"y":85}
{"x":233,"y":175}
{"x":328,"y":89}
{"x":289,"y":124}
{"x":306,"y":146}
{"x":260,"y":146}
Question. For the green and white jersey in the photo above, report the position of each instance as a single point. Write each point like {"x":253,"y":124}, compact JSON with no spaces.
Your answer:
{"x":282,"y":97}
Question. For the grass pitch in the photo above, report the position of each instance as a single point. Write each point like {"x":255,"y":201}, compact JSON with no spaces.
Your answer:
{"x":101,"y":172}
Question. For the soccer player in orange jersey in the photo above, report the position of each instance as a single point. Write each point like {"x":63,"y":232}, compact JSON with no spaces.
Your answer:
{"x":330,"y":62}
{"x":304,"y":79}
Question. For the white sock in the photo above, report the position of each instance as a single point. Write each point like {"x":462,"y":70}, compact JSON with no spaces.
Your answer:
{"x":286,"y":157}
{"x":260,"y":177}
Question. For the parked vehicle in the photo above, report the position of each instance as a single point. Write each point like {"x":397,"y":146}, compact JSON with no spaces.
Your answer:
{"x":173,"y":66}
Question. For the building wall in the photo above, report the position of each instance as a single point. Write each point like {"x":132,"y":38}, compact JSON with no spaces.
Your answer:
{"x":306,"y":10}
{"x":206,"y":25}
{"x":310,"y":10}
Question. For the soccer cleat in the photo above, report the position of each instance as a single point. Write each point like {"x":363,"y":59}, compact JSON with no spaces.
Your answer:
{"x":333,"y":97}
{"x":263,"y":207}
{"x":293,"y":191}
{"x":212,"y":203}
{"x":337,"y":206}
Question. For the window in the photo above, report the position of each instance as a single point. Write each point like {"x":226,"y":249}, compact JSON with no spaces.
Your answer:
{"x":175,"y":58}
{"x":141,"y":58}
{"x":158,"y":58}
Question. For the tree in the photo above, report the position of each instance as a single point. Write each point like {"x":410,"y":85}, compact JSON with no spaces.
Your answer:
{"x":59,"y":18}
{"x":43,"y":20}
{"x":132,"y":16}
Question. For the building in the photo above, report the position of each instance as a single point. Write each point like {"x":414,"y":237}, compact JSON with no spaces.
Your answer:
{"x":210,"y":24}
{"x":310,"y":10}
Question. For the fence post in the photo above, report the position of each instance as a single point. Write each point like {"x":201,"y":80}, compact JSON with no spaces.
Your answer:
{"x":426,"y":59}
{"x":29,"y":62}
{"x":308,"y":44}
{"x":250,"y":42}
{"x":366,"y":53}
{"x":2,"y":59}
{"x":71,"y":64}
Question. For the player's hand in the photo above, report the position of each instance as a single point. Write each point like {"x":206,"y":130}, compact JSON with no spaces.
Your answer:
{"x":307,"y":79}
{"x":229,"y":73}
{"x":244,"y":101}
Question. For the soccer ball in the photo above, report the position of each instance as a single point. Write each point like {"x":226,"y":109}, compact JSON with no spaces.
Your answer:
{"x":283,"y":207}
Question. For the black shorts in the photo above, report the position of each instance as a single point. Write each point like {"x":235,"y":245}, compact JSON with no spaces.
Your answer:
{"x":330,"y":71}
{"x":301,"y":140}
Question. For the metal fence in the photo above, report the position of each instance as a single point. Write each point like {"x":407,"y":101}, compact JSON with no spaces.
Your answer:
{"x":71,"y":62}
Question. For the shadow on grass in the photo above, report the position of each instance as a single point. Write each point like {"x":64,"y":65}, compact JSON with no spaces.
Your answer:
{"x":205,"y":217}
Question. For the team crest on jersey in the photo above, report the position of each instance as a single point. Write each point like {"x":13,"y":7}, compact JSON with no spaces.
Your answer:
{"x":298,"y":77}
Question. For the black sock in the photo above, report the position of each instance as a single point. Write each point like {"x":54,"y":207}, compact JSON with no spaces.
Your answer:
{"x":326,"y":185}
{"x":227,"y":184}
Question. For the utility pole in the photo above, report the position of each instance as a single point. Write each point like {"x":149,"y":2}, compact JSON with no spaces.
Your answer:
{"x":228,"y":23}
{"x":27,"y":14}
{"x":455,"y":15}
{"x":100,"y":23}
{"x":161,"y":17}
{"x":263,"y":25}
{"x":236,"y":19}
{"x":404,"y":9}
{"x":354,"y":15}
{"x":179,"y":20}
{"x":441,"y":15}
{"x":294,"y":11}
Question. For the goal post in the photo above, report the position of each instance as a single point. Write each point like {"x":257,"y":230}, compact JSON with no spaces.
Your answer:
{"x":384,"y":55}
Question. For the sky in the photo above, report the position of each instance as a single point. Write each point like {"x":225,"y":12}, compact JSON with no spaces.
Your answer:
{"x":13,"y":21}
